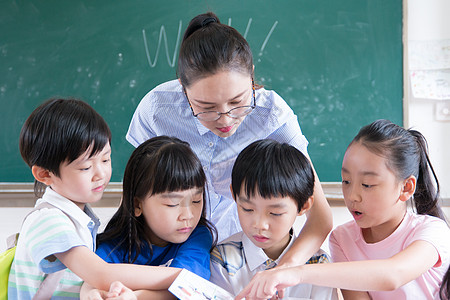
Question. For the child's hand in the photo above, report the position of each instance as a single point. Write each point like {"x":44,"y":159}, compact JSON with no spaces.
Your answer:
{"x":95,"y":294}
{"x":270,"y":284}
{"x":118,"y":291}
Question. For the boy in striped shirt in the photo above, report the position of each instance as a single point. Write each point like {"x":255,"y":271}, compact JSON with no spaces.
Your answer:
{"x":66,"y":143}
{"x":272,"y":183}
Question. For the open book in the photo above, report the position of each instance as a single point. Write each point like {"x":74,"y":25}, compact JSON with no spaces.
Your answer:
{"x":190,"y":286}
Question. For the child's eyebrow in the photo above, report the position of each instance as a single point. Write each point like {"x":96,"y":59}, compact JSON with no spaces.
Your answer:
{"x":86,"y":157}
{"x":363,"y":173}
{"x":100,"y":154}
{"x":278,"y":205}
{"x":199,"y":191}
{"x":178,"y":195}
{"x":244,"y":199}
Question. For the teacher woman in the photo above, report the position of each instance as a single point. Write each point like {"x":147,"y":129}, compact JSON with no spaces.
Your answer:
{"x":218,"y":109}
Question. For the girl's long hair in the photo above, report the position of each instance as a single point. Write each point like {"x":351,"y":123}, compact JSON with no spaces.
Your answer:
{"x":161,"y":164}
{"x":406,"y":153}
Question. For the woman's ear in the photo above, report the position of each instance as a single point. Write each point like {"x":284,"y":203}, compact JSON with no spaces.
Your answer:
{"x":408,"y":188}
{"x":307,"y":206}
{"x":42,"y":175}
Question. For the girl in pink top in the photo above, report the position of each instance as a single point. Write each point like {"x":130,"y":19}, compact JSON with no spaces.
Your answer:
{"x":387,"y":251}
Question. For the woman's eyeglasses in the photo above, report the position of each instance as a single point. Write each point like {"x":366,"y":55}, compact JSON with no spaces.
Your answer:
{"x":237,"y":112}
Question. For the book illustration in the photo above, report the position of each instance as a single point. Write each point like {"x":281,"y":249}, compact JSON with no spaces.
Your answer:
{"x":190,"y":286}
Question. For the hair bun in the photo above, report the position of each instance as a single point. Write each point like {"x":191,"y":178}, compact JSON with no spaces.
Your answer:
{"x":208,"y":20}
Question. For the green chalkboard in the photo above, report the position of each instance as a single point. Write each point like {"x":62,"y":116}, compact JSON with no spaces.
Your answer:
{"x":337,"y":63}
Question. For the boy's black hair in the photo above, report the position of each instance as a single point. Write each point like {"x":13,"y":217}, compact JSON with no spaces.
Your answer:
{"x":60,"y":130}
{"x":273,"y":169}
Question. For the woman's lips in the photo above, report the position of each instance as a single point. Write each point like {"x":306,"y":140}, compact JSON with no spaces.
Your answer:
{"x":225,"y":129}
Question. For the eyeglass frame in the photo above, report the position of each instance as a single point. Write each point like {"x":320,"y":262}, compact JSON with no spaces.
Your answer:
{"x":219,"y":114}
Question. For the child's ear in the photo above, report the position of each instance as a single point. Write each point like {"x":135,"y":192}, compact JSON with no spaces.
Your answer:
{"x":408,"y":188}
{"x":232,"y":194}
{"x":42,"y":175}
{"x":307,"y":206}
{"x":137,"y":208}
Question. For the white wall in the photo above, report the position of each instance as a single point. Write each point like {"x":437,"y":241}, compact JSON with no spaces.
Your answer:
{"x":11,"y":220}
{"x":429,"y":20}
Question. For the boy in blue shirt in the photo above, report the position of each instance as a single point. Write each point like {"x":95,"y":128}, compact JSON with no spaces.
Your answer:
{"x":272,"y":184}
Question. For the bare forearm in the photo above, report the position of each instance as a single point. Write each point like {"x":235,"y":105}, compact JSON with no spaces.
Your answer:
{"x":154,"y":295}
{"x":366,"y":275}
{"x":374,"y":275}
{"x":99,"y":274}
{"x":355,"y":295}
{"x":136,"y":277}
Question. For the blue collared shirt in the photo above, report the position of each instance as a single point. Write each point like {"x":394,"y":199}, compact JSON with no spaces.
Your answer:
{"x":192,"y":255}
{"x":165,"y":111}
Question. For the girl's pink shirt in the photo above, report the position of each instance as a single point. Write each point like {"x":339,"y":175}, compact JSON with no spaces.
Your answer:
{"x":347,"y":244}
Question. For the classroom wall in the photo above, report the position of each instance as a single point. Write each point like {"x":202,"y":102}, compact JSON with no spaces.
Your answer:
{"x":428,"y":22}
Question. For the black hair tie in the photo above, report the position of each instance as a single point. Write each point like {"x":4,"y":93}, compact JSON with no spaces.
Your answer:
{"x":208,"y":20}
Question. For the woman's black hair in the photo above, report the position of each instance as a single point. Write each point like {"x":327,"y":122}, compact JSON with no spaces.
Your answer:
{"x":273,"y":169}
{"x":444,"y":292}
{"x":160,"y":164}
{"x":209,"y":47}
{"x":406,"y":154}
{"x":59,"y":131}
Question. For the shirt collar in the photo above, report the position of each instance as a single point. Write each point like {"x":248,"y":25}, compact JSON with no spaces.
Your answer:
{"x":256,"y":257}
{"x":70,"y":208}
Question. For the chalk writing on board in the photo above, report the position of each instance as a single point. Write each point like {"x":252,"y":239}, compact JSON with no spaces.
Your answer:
{"x":162,"y":33}
{"x":267,"y":36}
{"x":171,"y":60}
